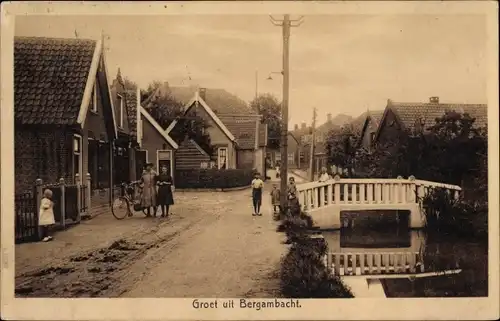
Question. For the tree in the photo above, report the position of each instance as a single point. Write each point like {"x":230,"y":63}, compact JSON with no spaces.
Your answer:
{"x":341,"y":147}
{"x":165,"y":109}
{"x":129,"y":84}
{"x":449,"y":151}
{"x":270,"y":108}
{"x":457,"y":146}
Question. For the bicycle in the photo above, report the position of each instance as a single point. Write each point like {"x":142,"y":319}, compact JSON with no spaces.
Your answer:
{"x":121,"y":204}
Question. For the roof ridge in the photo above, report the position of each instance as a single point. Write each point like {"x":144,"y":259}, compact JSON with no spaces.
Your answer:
{"x":393,"y":103}
{"x":55,"y":38}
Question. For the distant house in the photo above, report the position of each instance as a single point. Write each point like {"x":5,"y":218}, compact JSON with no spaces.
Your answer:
{"x":126,"y":144}
{"x":303,"y":136}
{"x":293,"y":149}
{"x":154,"y":144}
{"x":190,"y":155}
{"x":366,"y":127}
{"x":236,"y":132}
{"x":63,"y":105}
{"x":418,"y":117}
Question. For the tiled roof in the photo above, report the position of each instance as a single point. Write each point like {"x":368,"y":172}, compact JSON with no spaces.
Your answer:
{"x":409,"y":113}
{"x":131,"y":102}
{"x":244,"y":131}
{"x":219,"y":100}
{"x":359,"y":122}
{"x":50,"y":76}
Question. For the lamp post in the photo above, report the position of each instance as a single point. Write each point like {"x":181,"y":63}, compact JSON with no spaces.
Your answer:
{"x":269,"y":77}
{"x":285,"y":24}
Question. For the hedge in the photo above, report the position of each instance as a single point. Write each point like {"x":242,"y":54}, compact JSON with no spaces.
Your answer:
{"x":303,"y":272}
{"x":213,"y":178}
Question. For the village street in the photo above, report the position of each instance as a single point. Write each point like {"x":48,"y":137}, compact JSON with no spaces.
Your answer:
{"x":211,"y":246}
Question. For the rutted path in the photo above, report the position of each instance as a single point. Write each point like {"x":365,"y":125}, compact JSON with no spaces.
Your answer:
{"x":236,"y":255}
{"x":211,"y":246}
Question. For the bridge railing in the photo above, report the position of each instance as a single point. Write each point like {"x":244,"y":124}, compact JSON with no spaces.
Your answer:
{"x":314,"y":195}
{"x":344,"y":264}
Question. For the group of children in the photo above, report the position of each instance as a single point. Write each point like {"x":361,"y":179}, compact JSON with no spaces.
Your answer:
{"x":258,"y":185}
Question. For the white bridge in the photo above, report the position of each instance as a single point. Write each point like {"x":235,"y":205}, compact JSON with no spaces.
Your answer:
{"x":325,"y":200}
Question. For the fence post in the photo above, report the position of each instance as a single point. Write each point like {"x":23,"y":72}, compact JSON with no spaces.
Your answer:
{"x":78,"y":183}
{"x":88,"y":181}
{"x":38,"y":200}
{"x":63,"y":202}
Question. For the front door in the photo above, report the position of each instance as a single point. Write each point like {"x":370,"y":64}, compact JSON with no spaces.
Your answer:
{"x":165,"y":159}
{"x":141,"y":159}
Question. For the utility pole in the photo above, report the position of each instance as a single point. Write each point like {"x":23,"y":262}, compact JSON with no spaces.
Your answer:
{"x":313,"y":139}
{"x":286,"y":23}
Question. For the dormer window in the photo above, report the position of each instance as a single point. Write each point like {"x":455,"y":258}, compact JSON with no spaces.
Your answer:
{"x":93,"y":106}
{"x":120,"y":111}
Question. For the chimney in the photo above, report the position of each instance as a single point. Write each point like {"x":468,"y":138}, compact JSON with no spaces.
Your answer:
{"x":434,"y":100}
{"x":329,"y":117}
{"x":303,"y":126}
{"x":203,"y":92}
{"x":296,"y":127}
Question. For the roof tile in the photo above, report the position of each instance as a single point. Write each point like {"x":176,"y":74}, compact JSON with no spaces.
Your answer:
{"x":49,"y":78}
{"x":409,"y":113}
{"x":131,"y":102}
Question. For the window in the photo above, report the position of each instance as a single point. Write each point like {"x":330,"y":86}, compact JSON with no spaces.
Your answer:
{"x":77,"y":155}
{"x":120,"y":111}
{"x":302,"y":155}
{"x":93,"y":106}
{"x":222,"y":157}
{"x":277,"y":156}
{"x":291,"y":158}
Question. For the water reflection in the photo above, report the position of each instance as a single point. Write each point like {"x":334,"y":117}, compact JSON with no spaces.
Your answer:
{"x":397,"y":254}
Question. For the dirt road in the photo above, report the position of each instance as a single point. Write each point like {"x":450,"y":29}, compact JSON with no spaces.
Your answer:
{"x":211,"y":246}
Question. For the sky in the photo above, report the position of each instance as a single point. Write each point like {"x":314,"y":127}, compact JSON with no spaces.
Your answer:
{"x":340,"y":64}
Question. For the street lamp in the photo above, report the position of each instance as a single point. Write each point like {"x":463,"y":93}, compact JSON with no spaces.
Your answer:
{"x":269,"y":77}
{"x":272,"y":73}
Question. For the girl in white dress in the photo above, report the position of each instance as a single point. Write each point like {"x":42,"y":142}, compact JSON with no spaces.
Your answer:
{"x":46,"y":215}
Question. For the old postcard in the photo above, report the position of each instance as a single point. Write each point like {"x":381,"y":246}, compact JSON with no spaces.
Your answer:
{"x":249,"y":160}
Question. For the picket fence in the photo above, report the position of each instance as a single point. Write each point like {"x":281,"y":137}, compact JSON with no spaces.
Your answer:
{"x":71,"y":202}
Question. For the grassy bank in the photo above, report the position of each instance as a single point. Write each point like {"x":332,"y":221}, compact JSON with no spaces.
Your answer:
{"x":463,"y":218}
{"x":303,"y":272}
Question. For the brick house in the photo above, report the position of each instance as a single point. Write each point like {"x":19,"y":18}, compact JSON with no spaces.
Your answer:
{"x":236,"y":132}
{"x":153,"y":143}
{"x":126,"y":143}
{"x":293,"y":149}
{"x":417,"y":117}
{"x":366,"y":126}
{"x":62,"y":103}
{"x":303,"y":135}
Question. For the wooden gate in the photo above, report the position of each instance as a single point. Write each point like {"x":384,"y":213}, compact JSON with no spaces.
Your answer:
{"x":26,"y":218}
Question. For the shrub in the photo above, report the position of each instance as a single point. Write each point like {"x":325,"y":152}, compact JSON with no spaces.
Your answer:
{"x":446,"y":214}
{"x":213,"y":178}
{"x":303,"y":273}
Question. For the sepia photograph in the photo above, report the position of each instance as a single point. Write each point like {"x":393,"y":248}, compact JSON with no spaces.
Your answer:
{"x":247,"y":161}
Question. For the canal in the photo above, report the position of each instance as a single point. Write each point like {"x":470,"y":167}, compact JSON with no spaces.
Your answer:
{"x":438,"y":252}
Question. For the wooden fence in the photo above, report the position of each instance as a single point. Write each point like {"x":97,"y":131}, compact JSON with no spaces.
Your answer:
{"x":71,"y":202}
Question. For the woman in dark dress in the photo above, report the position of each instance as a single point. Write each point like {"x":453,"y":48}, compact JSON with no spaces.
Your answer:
{"x":165,"y":186}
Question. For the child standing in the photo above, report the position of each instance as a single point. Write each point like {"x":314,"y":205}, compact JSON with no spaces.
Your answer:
{"x":275,"y":199}
{"x":46,"y":215}
{"x":257,"y":186}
